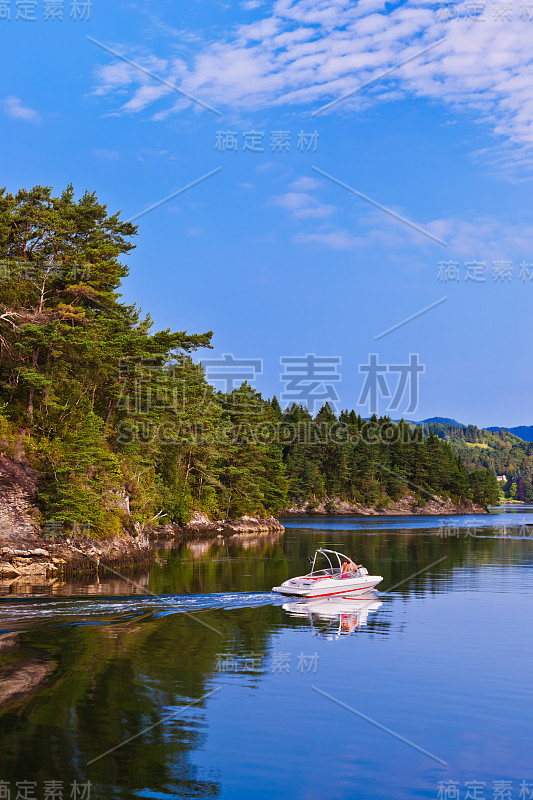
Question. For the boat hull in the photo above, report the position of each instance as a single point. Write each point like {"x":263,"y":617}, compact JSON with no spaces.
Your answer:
{"x":330,"y":609}
{"x":351,"y":587}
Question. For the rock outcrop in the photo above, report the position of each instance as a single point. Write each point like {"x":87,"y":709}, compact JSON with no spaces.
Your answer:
{"x":28,"y":556}
{"x":26,"y":553}
{"x":200,"y":524}
{"x":408,"y":505}
{"x":19,"y":485}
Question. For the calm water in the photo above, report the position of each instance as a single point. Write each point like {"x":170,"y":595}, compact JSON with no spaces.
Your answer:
{"x":217,"y":688}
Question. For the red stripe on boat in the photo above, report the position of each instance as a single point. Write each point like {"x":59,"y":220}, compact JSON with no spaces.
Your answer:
{"x":346,"y":591}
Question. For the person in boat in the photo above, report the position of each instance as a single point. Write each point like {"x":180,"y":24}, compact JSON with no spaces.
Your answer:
{"x":347,"y":568}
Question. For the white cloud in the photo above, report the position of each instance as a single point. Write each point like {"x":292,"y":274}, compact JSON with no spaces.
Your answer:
{"x":303,"y":205}
{"x":266,"y":166}
{"x":488,"y":239}
{"x":145,"y":96}
{"x":116,"y":75}
{"x":304,"y":184}
{"x":13,"y":108}
{"x":120,"y":77}
{"x":313,"y":51}
{"x":483,"y":239}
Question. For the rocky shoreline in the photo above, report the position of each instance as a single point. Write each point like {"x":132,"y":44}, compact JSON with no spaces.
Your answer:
{"x":25,"y":550}
{"x":202,"y":525}
{"x":27,"y":554}
{"x":409,"y":505}
{"x":37,"y":559}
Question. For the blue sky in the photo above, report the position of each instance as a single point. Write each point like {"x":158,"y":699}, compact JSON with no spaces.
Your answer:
{"x":269,"y":253}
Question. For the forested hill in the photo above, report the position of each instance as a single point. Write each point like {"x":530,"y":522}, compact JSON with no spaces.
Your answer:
{"x":122,"y":426}
{"x":499,"y":451}
{"x":369,"y":461}
{"x":524,"y":432}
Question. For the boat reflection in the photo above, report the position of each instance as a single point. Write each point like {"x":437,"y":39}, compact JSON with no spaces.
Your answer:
{"x":333,"y":617}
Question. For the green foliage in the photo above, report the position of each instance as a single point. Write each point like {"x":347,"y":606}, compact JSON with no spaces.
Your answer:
{"x":124,"y":426}
{"x":119,"y":419}
{"x":85,"y":479}
{"x":368,"y":462}
{"x":485,"y":489}
{"x":8,"y":435}
{"x":499,"y":452}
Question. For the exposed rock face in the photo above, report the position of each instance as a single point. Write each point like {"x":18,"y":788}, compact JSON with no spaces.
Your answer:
{"x":18,"y":493}
{"x":25,"y":553}
{"x":201,"y":525}
{"x":406,"y":506}
{"x":27,"y":557}
{"x":68,"y":557}
{"x":245,"y":525}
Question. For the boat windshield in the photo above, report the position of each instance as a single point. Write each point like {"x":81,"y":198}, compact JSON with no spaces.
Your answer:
{"x":328,"y":562}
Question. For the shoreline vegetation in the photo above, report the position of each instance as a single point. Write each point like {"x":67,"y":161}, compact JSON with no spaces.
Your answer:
{"x":408,"y":505}
{"x":111,"y":435}
{"x":496,"y":450}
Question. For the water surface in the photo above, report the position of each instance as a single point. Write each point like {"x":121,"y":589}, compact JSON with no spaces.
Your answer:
{"x":196,"y":681}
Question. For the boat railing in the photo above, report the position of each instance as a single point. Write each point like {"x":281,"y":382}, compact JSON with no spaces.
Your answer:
{"x":355,"y":570}
{"x":318,"y":573}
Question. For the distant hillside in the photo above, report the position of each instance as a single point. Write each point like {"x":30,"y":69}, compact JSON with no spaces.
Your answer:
{"x":500,"y":451}
{"x":443,"y":421}
{"x":524,"y":432}
{"x":503,"y":451}
{"x":497,"y":450}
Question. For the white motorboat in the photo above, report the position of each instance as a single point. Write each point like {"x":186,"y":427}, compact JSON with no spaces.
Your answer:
{"x":345,"y":580}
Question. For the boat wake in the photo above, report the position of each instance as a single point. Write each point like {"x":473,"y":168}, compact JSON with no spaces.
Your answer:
{"x":17,"y":613}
